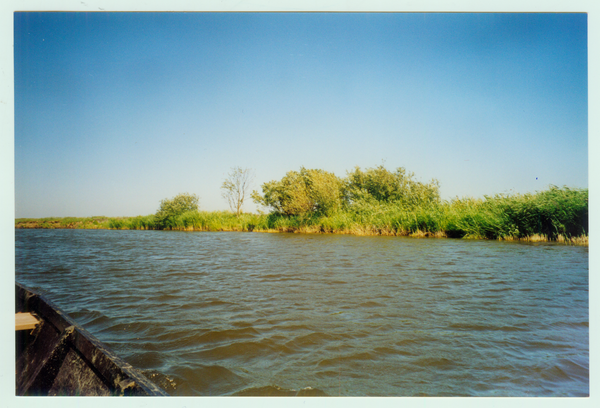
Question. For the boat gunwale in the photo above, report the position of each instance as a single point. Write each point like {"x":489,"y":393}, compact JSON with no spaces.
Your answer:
{"x":120,"y":377}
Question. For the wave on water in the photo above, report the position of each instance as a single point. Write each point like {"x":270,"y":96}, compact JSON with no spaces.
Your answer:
{"x":351,"y":359}
{"x":225,"y":335}
{"x":262,"y":314}
{"x":275,"y":391}
{"x":314,"y":339}
{"x":437,"y":362}
{"x":245,"y":351}
{"x":205,"y":380}
{"x":485,"y":327}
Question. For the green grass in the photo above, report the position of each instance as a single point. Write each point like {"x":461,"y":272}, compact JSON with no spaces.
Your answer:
{"x":557,"y":214}
{"x":96,"y":222}
{"x":215,"y":221}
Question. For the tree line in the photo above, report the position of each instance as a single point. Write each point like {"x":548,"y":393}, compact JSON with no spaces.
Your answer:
{"x":313,"y":192}
{"x":318,"y":192}
{"x":376,"y":201}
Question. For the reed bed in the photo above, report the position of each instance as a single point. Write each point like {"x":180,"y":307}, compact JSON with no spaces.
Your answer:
{"x":557,"y":214}
{"x":97,"y":222}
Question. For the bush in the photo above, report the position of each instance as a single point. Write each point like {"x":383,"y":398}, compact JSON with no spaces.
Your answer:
{"x":170,"y":210}
{"x":381,"y":185}
{"x":309,"y":191}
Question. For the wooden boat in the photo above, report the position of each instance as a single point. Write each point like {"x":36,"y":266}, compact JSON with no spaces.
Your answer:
{"x":56,"y":356}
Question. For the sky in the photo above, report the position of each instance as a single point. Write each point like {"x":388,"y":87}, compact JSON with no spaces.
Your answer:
{"x":116,"y":111}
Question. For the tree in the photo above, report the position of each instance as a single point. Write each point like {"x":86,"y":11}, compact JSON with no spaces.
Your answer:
{"x":169,"y":209}
{"x":236,"y":187}
{"x":304,"y":192}
{"x":384,"y":186}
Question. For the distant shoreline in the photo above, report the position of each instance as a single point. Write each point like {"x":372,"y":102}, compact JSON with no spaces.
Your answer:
{"x":121,"y":223}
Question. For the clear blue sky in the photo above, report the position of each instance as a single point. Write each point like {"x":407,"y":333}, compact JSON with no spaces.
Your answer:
{"x":116,"y":111}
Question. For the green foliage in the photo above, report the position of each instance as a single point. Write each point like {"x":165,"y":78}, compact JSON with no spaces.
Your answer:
{"x":217,"y":221}
{"x":381,"y":185}
{"x":300,"y":193}
{"x":167,"y":215}
{"x":141,"y":222}
{"x":116,"y":223}
{"x":554,"y":212}
{"x":373,"y":201}
{"x":380,"y":201}
{"x":551,"y":213}
{"x":68,"y":221}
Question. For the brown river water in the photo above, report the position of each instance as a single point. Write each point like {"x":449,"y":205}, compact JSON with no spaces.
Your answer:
{"x":219,"y":313}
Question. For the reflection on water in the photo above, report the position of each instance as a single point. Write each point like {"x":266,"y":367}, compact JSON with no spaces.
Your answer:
{"x":290,"y":314}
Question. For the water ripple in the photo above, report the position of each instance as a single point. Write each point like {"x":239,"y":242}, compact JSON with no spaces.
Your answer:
{"x":293,"y":314}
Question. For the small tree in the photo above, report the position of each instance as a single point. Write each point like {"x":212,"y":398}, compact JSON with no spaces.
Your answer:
{"x":384,"y":186}
{"x":236,"y":187}
{"x":170,"y":209}
{"x":309,"y":191}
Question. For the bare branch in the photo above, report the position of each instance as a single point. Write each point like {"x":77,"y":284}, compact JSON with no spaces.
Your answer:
{"x":236,"y":187}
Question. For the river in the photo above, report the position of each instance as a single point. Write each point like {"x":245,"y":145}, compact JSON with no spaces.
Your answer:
{"x":225,"y":313}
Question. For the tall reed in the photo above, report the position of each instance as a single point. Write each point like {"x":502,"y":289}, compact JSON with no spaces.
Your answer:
{"x":557,"y":214}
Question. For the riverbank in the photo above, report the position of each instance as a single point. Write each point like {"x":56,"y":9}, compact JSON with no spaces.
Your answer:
{"x":557,"y":214}
{"x":63,"y":223}
{"x":261,"y":223}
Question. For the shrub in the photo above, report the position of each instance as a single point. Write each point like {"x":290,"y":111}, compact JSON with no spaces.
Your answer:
{"x":381,"y":185}
{"x":169,"y":211}
{"x":300,"y":193}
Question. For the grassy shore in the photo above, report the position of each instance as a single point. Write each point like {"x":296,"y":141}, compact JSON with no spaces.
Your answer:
{"x":557,"y":214}
{"x":64,"y":223}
